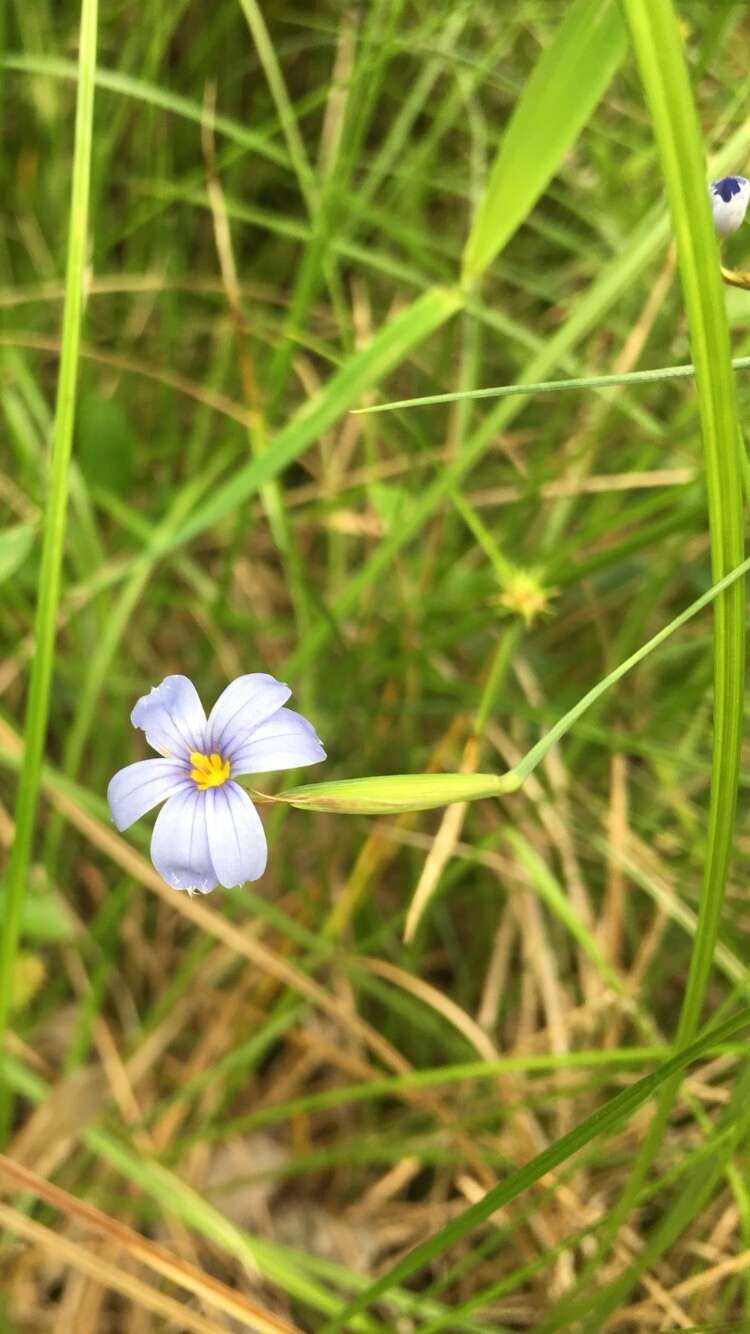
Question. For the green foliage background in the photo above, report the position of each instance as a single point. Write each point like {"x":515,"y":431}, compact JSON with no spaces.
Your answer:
{"x":297,"y":212}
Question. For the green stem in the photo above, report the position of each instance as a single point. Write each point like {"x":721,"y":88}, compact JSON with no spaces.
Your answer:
{"x":661,"y":61}
{"x":37,"y":710}
{"x":629,"y":378}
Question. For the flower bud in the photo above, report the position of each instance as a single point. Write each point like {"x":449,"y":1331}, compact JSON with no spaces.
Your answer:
{"x":393,"y":794}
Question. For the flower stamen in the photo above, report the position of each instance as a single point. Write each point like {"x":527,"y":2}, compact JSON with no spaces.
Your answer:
{"x":209,"y":770}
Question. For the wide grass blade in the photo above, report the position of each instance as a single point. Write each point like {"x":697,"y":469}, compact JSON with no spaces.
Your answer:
{"x":556,"y":102}
{"x":48,"y":596}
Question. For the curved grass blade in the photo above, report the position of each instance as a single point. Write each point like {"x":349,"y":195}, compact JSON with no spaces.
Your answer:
{"x":396,"y":793}
{"x":658,"y":373}
{"x":565,"y":86}
{"x":151,"y":94}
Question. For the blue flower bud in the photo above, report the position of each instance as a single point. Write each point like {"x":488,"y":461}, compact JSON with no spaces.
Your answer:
{"x":729,"y":200}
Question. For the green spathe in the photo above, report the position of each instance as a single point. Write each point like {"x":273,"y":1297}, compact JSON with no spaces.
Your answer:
{"x":395,"y":793}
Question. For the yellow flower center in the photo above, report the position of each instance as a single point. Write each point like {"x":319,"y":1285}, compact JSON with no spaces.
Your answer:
{"x":209,"y":770}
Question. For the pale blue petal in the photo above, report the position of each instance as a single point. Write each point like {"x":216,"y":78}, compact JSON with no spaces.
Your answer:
{"x":179,"y":843}
{"x":284,"y":741}
{"x":244,"y":704}
{"x":235,"y":835}
{"x":141,"y":786}
{"x":172,"y":717}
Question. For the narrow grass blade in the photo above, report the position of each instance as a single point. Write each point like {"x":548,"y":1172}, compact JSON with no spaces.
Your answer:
{"x":37,"y":709}
{"x":550,"y":386}
{"x":601,"y":1122}
{"x":152,"y":94}
{"x":556,"y":102}
{"x":659,"y":51}
{"x":157,"y":1259}
{"x":656,"y":39}
{"x":558,"y":902}
{"x":16,"y":543}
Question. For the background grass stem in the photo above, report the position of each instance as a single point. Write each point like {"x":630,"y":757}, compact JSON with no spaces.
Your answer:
{"x":364,"y":1079}
{"x":53,"y":541}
